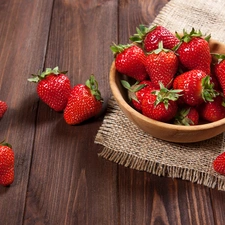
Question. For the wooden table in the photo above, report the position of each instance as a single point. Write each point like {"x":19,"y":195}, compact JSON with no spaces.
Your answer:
{"x":59,"y":178}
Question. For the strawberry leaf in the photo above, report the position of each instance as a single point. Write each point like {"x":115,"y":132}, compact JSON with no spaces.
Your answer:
{"x":48,"y":71}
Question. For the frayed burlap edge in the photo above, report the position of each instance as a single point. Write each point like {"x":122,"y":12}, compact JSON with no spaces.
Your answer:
{"x":158,"y":169}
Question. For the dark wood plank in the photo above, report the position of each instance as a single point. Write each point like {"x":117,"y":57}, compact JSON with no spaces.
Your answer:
{"x":218,"y":204}
{"x":24,"y":29}
{"x":69,"y":183}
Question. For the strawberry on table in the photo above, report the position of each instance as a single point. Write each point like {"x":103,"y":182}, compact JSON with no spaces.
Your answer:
{"x":161,"y":66}
{"x":3,"y":108}
{"x":6,"y":164}
{"x":219,"y":164}
{"x":137,"y":91}
{"x":160,"y":104}
{"x":53,"y":87}
{"x":193,"y":51}
{"x":85,"y":102}
{"x":213,"y":111}
{"x":150,"y":37}
{"x":187,"y":116}
{"x":197,"y":87}
{"x":130,"y":60}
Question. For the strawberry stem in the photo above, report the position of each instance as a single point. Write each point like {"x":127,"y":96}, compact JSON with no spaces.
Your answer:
{"x":3,"y":143}
{"x":92,"y":84}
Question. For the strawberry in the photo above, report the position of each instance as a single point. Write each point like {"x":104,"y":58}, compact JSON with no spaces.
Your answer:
{"x":6,"y":164}
{"x":161,"y":66}
{"x":187,"y":116}
{"x":84,"y":102}
{"x":219,"y":70}
{"x":196,"y":86}
{"x":160,"y":104}
{"x":150,"y":37}
{"x":137,"y":91}
{"x":130,"y":60}
{"x":194,"y":51}
{"x":3,"y":108}
{"x":213,"y":111}
{"x":53,"y":88}
{"x":219,"y":163}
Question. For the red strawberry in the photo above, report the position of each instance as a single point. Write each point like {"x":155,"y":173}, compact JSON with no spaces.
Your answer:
{"x":194,"y":51}
{"x":162,"y":65}
{"x":6,"y":164}
{"x":187,"y":116}
{"x":130,"y":60}
{"x":196,"y":86}
{"x":137,"y":91}
{"x":150,"y":37}
{"x":53,"y":88}
{"x":213,"y":111}
{"x":219,"y":164}
{"x":219,"y":71}
{"x":3,"y":108}
{"x":84,"y":102}
{"x":160,"y":104}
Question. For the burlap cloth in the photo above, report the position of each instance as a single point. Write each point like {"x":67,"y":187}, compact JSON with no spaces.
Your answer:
{"x":126,"y":144}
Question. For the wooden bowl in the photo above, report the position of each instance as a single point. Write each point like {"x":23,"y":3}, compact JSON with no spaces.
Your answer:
{"x":161,"y":130}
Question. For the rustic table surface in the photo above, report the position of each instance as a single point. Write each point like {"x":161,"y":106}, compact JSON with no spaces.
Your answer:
{"x":59,"y":177}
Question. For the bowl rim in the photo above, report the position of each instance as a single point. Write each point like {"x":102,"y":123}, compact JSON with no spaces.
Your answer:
{"x":121,"y":101}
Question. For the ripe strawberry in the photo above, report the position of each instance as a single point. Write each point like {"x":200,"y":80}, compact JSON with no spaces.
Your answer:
{"x":137,"y":91}
{"x":3,"y":108}
{"x":6,"y":164}
{"x":187,"y":116}
{"x":213,"y":111}
{"x":219,"y":70}
{"x":84,"y":102}
{"x":150,"y":37}
{"x":130,"y":60}
{"x":219,"y":164}
{"x":53,"y":88}
{"x":196,"y":86}
{"x":160,"y":104}
{"x":194,"y":51}
{"x":161,"y":66}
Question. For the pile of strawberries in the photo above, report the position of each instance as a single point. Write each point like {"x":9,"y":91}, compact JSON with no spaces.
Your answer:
{"x":77,"y":103}
{"x":173,"y":78}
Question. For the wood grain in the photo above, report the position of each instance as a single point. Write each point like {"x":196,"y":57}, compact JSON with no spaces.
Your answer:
{"x":59,"y":177}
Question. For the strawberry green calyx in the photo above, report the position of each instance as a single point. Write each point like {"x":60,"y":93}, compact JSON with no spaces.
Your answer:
{"x":182,"y":119}
{"x":142,"y":31}
{"x":3,"y":143}
{"x":92,"y":84}
{"x":219,"y":57}
{"x":116,"y":49}
{"x":208,"y":92}
{"x":48,"y":71}
{"x":132,"y":89}
{"x":186,"y":37}
{"x":165,"y":95}
{"x":160,"y":49}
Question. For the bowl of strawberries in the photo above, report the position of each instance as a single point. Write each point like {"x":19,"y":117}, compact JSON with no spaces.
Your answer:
{"x":171,"y":85}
